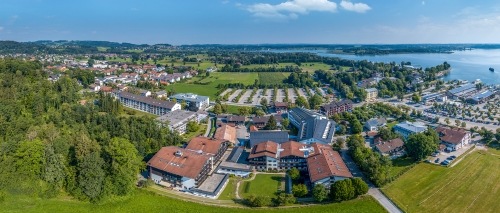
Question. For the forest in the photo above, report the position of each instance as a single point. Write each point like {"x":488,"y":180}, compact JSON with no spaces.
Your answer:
{"x":53,"y":143}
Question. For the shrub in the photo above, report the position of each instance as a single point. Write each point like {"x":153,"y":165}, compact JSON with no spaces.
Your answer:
{"x":320,"y":193}
{"x":258,"y":201}
{"x":299,"y":190}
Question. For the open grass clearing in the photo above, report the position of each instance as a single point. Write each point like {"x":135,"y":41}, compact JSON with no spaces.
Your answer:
{"x":473,"y":185}
{"x":145,"y":201}
{"x":263,"y":185}
{"x":229,"y":192}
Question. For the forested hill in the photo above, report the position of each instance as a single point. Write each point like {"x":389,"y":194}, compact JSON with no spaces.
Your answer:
{"x":50,"y":143}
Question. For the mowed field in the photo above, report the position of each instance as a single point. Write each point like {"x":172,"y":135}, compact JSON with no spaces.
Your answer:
{"x":209,"y":84}
{"x":272,"y":78}
{"x":263,"y":185}
{"x":308,"y":67}
{"x":473,"y":185}
{"x":144,"y":201}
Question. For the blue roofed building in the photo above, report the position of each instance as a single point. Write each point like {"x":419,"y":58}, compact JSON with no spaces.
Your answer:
{"x":481,"y":97}
{"x":407,"y":128}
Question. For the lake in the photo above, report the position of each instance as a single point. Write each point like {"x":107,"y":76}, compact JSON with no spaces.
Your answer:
{"x":466,"y":65}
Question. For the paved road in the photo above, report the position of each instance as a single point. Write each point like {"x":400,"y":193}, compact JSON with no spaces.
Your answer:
{"x":209,"y":126}
{"x":373,"y":191}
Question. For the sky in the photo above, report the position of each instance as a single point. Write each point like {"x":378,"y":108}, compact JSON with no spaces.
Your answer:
{"x":253,"y":21}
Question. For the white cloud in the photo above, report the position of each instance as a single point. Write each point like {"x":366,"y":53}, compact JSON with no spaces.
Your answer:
{"x":291,"y":9}
{"x":355,"y":7}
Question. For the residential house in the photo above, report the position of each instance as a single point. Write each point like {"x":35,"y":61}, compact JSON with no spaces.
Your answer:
{"x":325,"y":166}
{"x":371,"y":94}
{"x":375,"y":123}
{"x":337,"y":107}
{"x":280,"y":107}
{"x":94,"y":87}
{"x":454,"y":139}
{"x":236,"y":120}
{"x":393,"y":148}
{"x":261,"y":121}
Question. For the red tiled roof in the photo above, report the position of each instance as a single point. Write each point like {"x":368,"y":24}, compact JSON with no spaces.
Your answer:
{"x":390,"y":145}
{"x":253,"y":128}
{"x":206,"y":145}
{"x":325,"y":162}
{"x":226,"y":132}
{"x":453,"y":136}
{"x":189,"y":164}
{"x":291,"y":148}
{"x":268,"y":148}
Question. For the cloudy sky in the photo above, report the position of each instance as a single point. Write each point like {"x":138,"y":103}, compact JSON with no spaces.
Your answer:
{"x":253,"y":21}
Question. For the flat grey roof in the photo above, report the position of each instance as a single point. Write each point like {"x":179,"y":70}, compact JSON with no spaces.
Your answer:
{"x":176,"y":116}
{"x":212,"y":183}
{"x":235,"y":166}
{"x":190,"y":97}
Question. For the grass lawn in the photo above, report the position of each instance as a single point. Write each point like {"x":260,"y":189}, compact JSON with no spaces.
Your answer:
{"x":473,"y":185}
{"x":213,"y":81}
{"x":272,"y":77}
{"x":191,"y":135}
{"x":229,"y":191}
{"x":232,"y":109}
{"x":263,"y":184}
{"x":308,"y":67}
{"x":391,"y":124}
{"x":399,"y":165}
{"x":144,"y":201}
{"x":127,"y":112}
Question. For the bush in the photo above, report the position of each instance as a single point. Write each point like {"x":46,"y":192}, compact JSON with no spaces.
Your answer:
{"x":2,"y":196}
{"x":294,"y":173}
{"x":284,"y":199}
{"x":320,"y":193}
{"x":299,"y":190}
{"x":342,"y":190}
{"x":258,"y":201}
{"x":360,"y":187}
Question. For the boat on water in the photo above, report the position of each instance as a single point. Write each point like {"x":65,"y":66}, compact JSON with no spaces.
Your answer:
{"x":491,"y":69}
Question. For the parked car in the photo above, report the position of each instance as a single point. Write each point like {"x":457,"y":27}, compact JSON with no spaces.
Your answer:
{"x":437,"y":160}
{"x":450,"y":158}
{"x":453,"y":156}
{"x":444,"y":163}
{"x":435,"y":154}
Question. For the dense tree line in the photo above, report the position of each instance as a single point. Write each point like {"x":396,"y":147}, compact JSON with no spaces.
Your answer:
{"x":57,"y":145}
{"x":375,"y":166}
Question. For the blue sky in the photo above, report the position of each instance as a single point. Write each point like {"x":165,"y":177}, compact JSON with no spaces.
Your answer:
{"x":253,"y":21}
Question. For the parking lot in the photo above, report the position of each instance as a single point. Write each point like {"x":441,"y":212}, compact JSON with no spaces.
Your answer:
{"x":444,"y":155}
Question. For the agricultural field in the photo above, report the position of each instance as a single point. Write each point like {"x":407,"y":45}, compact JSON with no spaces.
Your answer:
{"x":144,"y":201}
{"x":473,"y":185}
{"x":263,"y":184}
{"x":308,"y":67}
{"x":272,"y":77}
{"x":399,"y":165}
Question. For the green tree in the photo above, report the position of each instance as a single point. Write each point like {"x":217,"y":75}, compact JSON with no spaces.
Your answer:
{"x":415,"y":97}
{"x":302,"y":102}
{"x":294,"y":174}
{"x":192,"y":126}
{"x":244,"y":111}
{"x":299,"y":190}
{"x":285,"y":123}
{"x":341,"y":190}
{"x":284,"y":199}
{"x":320,"y":193}
{"x":360,"y":187}
{"x":356,"y":127}
{"x":124,"y":165}
{"x":91,"y":175}
{"x":315,"y":101}
{"x":30,"y":159}
{"x":54,"y":171}
{"x":271,"y":124}
{"x":218,"y":109}
{"x":421,"y":145}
